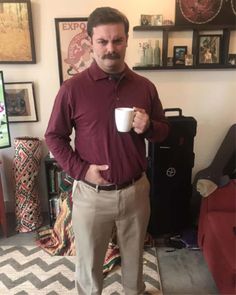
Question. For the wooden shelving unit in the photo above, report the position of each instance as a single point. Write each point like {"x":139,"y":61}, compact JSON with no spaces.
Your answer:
{"x":55,"y":178}
{"x":196,"y":29}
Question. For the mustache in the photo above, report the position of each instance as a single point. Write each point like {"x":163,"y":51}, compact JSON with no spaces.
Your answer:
{"x":111,"y":56}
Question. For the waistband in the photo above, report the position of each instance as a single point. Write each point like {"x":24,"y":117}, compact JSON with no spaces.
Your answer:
{"x":113,"y":187}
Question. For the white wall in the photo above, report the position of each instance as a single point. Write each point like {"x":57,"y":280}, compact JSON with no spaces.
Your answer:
{"x":207,"y":95}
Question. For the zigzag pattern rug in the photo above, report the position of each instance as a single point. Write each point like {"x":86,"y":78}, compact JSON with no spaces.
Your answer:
{"x":28,"y":270}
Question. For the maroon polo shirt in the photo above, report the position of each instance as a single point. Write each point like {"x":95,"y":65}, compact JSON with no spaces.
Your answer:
{"x":87,"y":103}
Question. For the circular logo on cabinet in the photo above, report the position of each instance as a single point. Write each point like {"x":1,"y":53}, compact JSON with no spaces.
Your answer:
{"x":170,"y":172}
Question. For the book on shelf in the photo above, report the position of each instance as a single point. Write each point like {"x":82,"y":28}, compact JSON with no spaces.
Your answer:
{"x":54,"y":207}
{"x":51,"y":174}
{"x":53,"y":171}
{"x":64,"y":181}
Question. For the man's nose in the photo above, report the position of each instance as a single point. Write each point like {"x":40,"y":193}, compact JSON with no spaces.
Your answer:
{"x":110,"y":47}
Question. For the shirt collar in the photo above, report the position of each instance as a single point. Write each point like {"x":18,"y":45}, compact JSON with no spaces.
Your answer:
{"x":98,"y":74}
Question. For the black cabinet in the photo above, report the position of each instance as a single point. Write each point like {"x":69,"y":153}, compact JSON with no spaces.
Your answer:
{"x":170,"y":173}
{"x":196,"y":30}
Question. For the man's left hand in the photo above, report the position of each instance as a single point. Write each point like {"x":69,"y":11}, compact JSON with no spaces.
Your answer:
{"x":141,"y":121}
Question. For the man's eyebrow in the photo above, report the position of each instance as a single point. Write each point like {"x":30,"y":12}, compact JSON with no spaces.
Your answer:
{"x":115,"y":38}
{"x":118,"y":38}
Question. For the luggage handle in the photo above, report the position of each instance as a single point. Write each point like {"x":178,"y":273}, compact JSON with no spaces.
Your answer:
{"x":174,"y":110}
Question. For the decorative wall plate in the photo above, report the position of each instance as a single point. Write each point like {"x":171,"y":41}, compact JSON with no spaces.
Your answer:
{"x":200,"y":12}
{"x":219,"y":12}
{"x":233,"y":5}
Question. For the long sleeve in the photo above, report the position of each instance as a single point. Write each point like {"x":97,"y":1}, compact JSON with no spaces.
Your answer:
{"x":58,"y":136}
{"x":159,"y":126}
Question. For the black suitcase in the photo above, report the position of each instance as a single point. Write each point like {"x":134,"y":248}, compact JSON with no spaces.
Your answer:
{"x":170,"y":174}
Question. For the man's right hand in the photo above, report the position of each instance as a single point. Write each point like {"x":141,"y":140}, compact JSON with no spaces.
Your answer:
{"x":93,"y":174}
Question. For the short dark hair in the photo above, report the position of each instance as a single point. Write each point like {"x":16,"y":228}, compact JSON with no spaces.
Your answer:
{"x":106,"y":15}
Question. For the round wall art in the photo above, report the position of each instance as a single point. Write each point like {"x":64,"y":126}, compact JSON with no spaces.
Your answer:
{"x":219,"y":12}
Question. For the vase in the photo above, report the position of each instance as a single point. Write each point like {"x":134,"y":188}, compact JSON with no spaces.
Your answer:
{"x":26,"y":164}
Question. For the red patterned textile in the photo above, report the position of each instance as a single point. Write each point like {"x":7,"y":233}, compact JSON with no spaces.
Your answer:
{"x":59,"y":240}
{"x":26,"y":164}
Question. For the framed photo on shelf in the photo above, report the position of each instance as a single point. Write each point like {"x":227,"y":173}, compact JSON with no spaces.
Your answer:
{"x":151,"y":20}
{"x":179,"y":55}
{"x":16,"y":32}
{"x":232,"y":59}
{"x":73,"y":46}
{"x":188,"y":59}
{"x":157,"y":20}
{"x":145,"y":20}
{"x":169,"y":61}
{"x":20,"y":102}
{"x":209,"y":49}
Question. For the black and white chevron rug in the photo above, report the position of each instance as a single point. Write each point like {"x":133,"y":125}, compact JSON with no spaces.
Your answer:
{"x":29,"y":270}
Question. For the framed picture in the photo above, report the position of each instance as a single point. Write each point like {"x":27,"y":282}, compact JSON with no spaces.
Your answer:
{"x":169,"y":61}
{"x":16,"y":32}
{"x":179,"y":55}
{"x":157,"y":20}
{"x":145,"y":20}
{"x":151,"y":19}
{"x":188,"y":59}
{"x":5,"y":140}
{"x":73,"y":46}
{"x":20,"y":102}
{"x":209,"y":49}
{"x":232,"y":59}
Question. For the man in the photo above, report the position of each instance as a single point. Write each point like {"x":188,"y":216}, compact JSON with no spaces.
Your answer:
{"x":111,"y":187}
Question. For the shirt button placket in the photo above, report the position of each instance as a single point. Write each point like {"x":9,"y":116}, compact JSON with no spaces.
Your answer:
{"x":116,"y":92}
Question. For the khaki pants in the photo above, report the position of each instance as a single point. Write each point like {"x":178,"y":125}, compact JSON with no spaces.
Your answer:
{"x":93,"y":217}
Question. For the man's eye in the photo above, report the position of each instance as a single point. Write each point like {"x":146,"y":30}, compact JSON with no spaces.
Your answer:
{"x":102,"y":42}
{"x":118,"y":41}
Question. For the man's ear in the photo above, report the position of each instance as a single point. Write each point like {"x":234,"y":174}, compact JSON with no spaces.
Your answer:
{"x":127,"y":38}
{"x":90,"y":40}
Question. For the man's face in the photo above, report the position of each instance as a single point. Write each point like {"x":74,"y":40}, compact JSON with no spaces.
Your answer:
{"x":109,"y":44}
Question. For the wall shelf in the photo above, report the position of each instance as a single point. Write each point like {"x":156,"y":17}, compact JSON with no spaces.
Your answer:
{"x":185,"y":28}
{"x":183,"y":67}
{"x":197,"y":30}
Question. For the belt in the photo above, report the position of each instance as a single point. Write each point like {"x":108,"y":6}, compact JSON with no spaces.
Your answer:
{"x":113,"y":187}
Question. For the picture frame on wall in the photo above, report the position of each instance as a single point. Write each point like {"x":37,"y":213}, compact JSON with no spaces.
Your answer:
{"x":179,"y":53}
{"x":20,"y":102}
{"x":16,"y":32}
{"x":209,"y":49}
{"x":5,"y":140}
{"x":73,"y":46}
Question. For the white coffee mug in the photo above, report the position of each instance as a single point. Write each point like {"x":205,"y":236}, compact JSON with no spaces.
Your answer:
{"x":124,"y":119}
